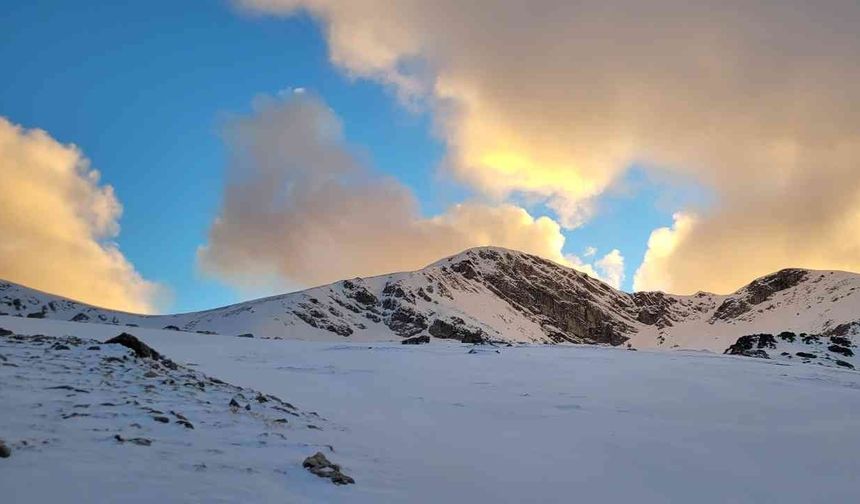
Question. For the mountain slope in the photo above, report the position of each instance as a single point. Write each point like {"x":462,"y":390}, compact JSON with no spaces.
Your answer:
{"x":496,"y":294}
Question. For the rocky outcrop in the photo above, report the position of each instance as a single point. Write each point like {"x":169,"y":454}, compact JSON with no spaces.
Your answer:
{"x":319,"y":465}
{"x":753,"y":345}
{"x":456,"y":328}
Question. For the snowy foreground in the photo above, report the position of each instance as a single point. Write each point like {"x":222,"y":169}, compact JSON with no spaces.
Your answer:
{"x":431,"y":423}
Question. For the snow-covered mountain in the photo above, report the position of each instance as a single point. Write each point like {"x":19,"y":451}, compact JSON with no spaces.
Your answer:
{"x":496,"y":294}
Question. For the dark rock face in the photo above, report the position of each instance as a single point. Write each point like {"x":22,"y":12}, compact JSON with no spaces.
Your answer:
{"x":5,"y":332}
{"x":752,"y":345}
{"x":245,"y":335}
{"x":564,"y":302}
{"x":787,"y":336}
{"x":841,"y":350}
{"x":806,"y":355}
{"x":319,"y":465}
{"x":841,"y":340}
{"x":417,"y":340}
{"x":5,"y":451}
{"x":406,"y":321}
{"x":757,"y":292}
{"x":456,"y":328}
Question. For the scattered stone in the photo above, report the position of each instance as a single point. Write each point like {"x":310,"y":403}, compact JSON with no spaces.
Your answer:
{"x":150,"y":374}
{"x":245,"y":335}
{"x":94,"y":347}
{"x":844,"y":364}
{"x":319,"y":465}
{"x":68,"y":387}
{"x":171,"y":328}
{"x":59,"y":346}
{"x":417,"y":340}
{"x":261,"y":398}
{"x":234,"y":404}
{"x":5,"y":332}
{"x":138,"y":441}
{"x":806,"y":355}
{"x":5,"y":451}
{"x":185,"y":423}
{"x":161,"y":419}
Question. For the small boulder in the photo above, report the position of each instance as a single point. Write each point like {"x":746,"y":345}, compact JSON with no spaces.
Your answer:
{"x":5,"y":451}
{"x":245,"y":335}
{"x":139,"y":348}
{"x":319,"y":465}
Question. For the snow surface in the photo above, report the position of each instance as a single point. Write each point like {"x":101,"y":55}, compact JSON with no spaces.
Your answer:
{"x":451,"y":422}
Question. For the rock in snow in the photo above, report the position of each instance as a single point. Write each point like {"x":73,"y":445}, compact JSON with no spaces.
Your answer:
{"x":319,"y":465}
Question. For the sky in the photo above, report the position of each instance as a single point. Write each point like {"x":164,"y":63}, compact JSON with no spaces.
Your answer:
{"x":176,"y":156}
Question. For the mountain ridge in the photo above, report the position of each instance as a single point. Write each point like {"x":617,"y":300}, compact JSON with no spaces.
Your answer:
{"x":497,"y":294}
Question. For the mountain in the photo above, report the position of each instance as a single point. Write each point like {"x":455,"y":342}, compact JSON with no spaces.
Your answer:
{"x":495,"y":294}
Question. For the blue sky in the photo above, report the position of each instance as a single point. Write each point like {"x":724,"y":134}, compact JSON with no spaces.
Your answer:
{"x":143,"y":88}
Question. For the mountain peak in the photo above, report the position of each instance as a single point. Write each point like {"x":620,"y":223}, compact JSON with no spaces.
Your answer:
{"x":499,"y":294}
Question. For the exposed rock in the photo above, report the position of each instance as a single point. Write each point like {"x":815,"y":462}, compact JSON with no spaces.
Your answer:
{"x":757,"y":292}
{"x":185,"y":423}
{"x":406,"y":321}
{"x":456,"y":328}
{"x":417,"y":340}
{"x":841,"y":350}
{"x":844,"y":364}
{"x":319,"y":465}
{"x":5,"y":332}
{"x":806,"y":355}
{"x":245,"y":335}
{"x":171,"y":328}
{"x":5,"y":451}
{"x":752,"y":345}
{"x":161,"y":419}
{"x":138,"y":440}
{"x":139,"y":348}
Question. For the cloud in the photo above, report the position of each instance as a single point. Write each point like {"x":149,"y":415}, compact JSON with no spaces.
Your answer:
{"x":57,"y":220}
{"x":553,"y":100}
{"x":609,"y":268}
{"x":300,"y":207}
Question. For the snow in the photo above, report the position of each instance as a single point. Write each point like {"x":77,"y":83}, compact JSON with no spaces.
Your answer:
{"x":436,"y":423}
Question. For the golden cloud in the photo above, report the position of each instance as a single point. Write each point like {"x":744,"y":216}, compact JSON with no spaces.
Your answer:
{"x":553,"y":100}
{"x":299,"y":208}
{"x":56,"y":221}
